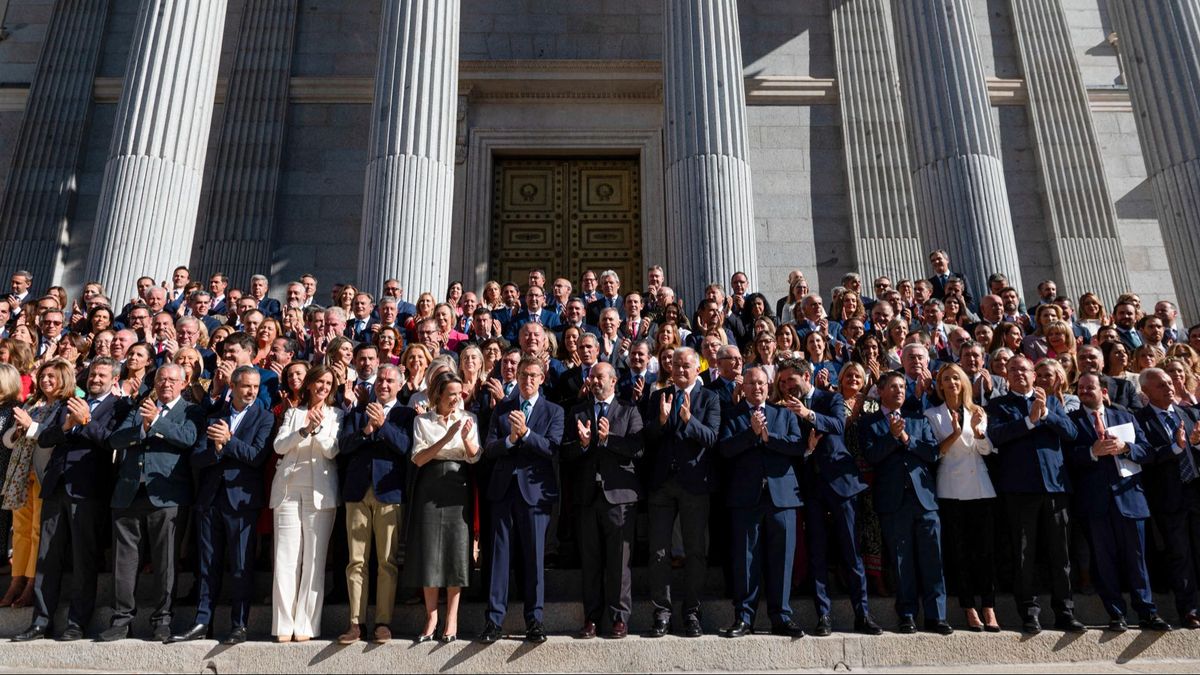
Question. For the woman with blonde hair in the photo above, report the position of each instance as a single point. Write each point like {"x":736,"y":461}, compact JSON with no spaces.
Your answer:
{"x":304,"y":497}
{"x":762,"y":354}
{"x":1091,"y":313}
{"x":10,"y":398}
{"x":847,"y":305}
{"x":416,"y":360}
{"x":425,"y":305}
{"x":22,"y":480}
{"x":1052,"y":377}
{"x":966,"y":498}
{"x":893,"y":342}
{"x":1146,"y":356}
{"x":490,"y":297}
{"x":445,"y":442}
{"x":20,"y":356}
{"x":854,"y":387}
{"x":1184,"y":381}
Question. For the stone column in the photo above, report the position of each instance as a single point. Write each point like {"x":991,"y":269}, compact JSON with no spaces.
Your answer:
{"x":1082,"y":218}
{"x":407,"y":209}
{"x":710,"y":214}
{"x":151,"y":189}
{"x":1160,"y":42}
{"x":958,"y":178}
{"x":241,"y":203}
{"x":40,"y":190}
{"x":887,"y":240}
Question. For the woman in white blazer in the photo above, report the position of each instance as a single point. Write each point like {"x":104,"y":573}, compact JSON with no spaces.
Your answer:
{"x":966,"y":498}
{"x":304,"y":496}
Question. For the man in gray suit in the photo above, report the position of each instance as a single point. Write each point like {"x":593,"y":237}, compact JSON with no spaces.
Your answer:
{"x":154,"y":479}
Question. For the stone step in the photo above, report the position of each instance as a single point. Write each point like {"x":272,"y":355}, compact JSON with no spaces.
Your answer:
{"x":563,"y":617}
{"x":1134,"y":649}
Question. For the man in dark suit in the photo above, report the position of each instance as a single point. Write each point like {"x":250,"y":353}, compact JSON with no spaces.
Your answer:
{"x":1173,"y":491}
{"x":240,"y":349}
{"x":610,"y":296}
{"x":605,"y":436}
{"x":899,"y":442}
{"x":1030,"y":430}
{"x":376,"y":440}
{"x":522,"y":441}
{"x":228,"y":460}
{"x":831,"y":487}
{"x":219,"y":304}
{"x":680,"y":430}
{"x":727,"y":385}
{"x":74,"y":489}
{"x":1118,"y":391}
{"x":815,"y":320}
{"x":760,"y":441}
{"x":153,"y":480}
{"x":636,"y":382}
{"x":258,"y":290}
{"x":361,"y":327}
{"x":940,"y":260}
{"x":574,"y":313}
{"x":534,"y":312}
{"x":1106,"y":472}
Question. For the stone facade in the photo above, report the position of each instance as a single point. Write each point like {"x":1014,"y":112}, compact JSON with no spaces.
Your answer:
{"x":594,"y":64}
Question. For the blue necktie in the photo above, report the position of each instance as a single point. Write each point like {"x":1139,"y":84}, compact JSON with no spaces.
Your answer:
{"x":525,"y":407}
{"x":603,"y":410}
{"x":1187,"y":466}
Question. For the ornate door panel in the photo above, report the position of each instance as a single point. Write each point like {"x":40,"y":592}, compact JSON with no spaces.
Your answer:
{"x":567,"y":216}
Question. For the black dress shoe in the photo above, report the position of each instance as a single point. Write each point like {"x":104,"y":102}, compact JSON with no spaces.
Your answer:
{"x":197,"y":632}
{"x":1118,"y":625}
{"x":866,"y":625}
{"x":71,"y":634}
{"x":1155,"y":623}
{"x":907,"y":625}
{"x":939,"y":627}
{"x":1069,"y":624}
{"x":490,"y":633}
{"x":114,"y":633}
{"x":824,"y":627}
{"x":660,"y":628}
{"x":691,"y":627}
{"x":236,"y":636}
{"x":32,"y":633}
{"x":1191,"y":621}
{"x":535,"y":632}
{"x":1031,"y":626}
{"x":738,"y":629}
{"x":790,"y":629}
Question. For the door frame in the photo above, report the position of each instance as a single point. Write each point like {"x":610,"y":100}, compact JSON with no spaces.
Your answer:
{"x":486,"y":144}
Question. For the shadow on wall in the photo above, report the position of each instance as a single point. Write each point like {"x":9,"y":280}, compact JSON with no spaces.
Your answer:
{"x":1138,"y":203}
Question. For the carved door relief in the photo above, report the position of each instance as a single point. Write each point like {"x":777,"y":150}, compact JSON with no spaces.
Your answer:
{"x":565,"y":216}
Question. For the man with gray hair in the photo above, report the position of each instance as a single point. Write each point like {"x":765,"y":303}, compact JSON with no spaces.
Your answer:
{"x":610,"y":296}
{"x":268,"y":306}
{"x":682,"y":426}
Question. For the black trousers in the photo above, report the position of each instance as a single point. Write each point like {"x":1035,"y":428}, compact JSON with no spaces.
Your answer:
{"x":666,"y":503}
{"x":66,"y":523}
{"x":226,"y":543}
{"x":1181,"y":532}
{"x":605,"y":543}
{"x":969,"y":533}
{"x":1047,"y":516}
{"x":157,"y":524}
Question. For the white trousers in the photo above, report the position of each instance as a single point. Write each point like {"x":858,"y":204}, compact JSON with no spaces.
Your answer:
{"x":301,"y":540}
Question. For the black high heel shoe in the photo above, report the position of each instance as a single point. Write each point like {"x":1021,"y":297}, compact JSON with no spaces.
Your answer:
{"x":423,"y":638}
{"x":447,"y":639}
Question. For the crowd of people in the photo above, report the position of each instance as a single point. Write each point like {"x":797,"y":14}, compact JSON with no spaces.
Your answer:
{"x":913,"y":442}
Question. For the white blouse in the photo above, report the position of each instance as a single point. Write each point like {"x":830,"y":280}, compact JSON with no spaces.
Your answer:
{"x":429,"y":428}
{"x":961,"y":471}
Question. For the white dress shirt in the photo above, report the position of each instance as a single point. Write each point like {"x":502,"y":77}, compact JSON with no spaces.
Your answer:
{"x":430,"y":427}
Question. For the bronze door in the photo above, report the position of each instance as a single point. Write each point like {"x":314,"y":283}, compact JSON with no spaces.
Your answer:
{"x":566,"y":216}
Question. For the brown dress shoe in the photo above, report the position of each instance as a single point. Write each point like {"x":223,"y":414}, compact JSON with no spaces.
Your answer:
{"x":587,"y":632}
{"x":351,"y":636}
{"x":382,"y":634}
{"x":619,"y":631}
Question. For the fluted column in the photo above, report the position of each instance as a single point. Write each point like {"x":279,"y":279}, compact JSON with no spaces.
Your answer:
{"x":1160,"y":42}
{"x":887,"y":240}
{"x":40,"y":190}
{"x":151,"y":189}
{"x":410,"y":175}
{"x":1082,"y":218}
{"x":241,"y":203}
{"x":710,"y":215}
{"x":958,"y":178}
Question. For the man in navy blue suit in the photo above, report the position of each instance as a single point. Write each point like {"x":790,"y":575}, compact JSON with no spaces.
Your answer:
{"x":900,"y":443}
{"x":761,"y":440}
{"x":610,"y":297}
{"x":1173,"y":434}
{"x":831,"y":487}
{"x":1107,"y":475}
{"x":815,"y":320}
{"x":534,"y":312}
{"x":240,"y":350}
{"x":258,"y":290}
{"x":228,"y":462}
{"x":154,"y":479}
{"x":681,"y":427}
{"x":376,"y":440}
{"x":637,"y":381}
{"x":523,"y":440}
{"x":1030,"y":430}
{"x":75,"y":488}
{"x":940,"y":260}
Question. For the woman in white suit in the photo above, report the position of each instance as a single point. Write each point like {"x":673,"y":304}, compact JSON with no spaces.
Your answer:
{"x":966,"y":499}
{"x":304,"y":495}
